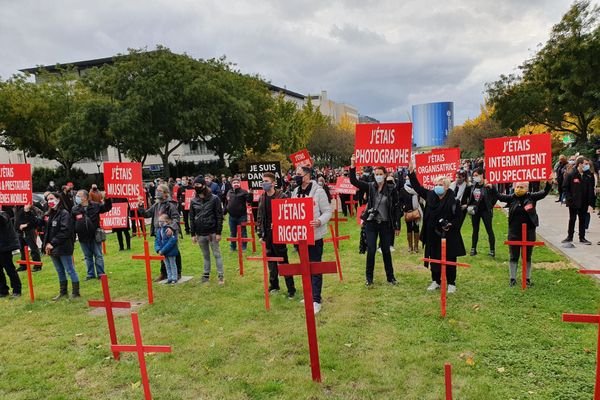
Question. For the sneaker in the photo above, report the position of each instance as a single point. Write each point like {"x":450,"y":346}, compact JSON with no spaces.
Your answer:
{"x":434,"y":285}
{"x":273,"y":291}
{"x":492,"y":253}
{"x":204,"y":279}
{"x":317,"y":307}
{"x":392,"y":249}
{"x":451,"y":289}
{"x":291,"y":296}
{"x":473,"y":252}
{"x":568,"y":239}
{"x":512,"y":283}
{"x":22,"y":268}
{"x":529,"y":283}
{"x":221,"y":280}
{"x":369,"y":284}
{"x":585,"y":241}
{"x":393,"y":282}
{"x":16,"y":295}
{"x":379,"y":249}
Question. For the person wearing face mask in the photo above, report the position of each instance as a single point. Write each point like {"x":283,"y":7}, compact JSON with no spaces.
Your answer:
{"x":560,"y":169}
{"x":26,"y":221}
{"x":578,"y":188}
{"x":59,"y":245}
{"x":381,"y":220}
{"x":442,"y":219}
{"x":206,"y":215}
{"x":367,"y":177}
{"x":66,"y":197}
{"x":306,"y":187}
{"x":185,"y":185}
{"x":86,"y":214}
{"x":264,"y":231}
{"x":521,"y":210}
{"x":164,"y":204}
{"x":462,"y":191}
{"x":8,"y":243}
{"x":481,"y":208}
{"x":51,"y":187}
{"x":413,"y":213}
{"x":323,"y":184}
{"x":237,"y":201}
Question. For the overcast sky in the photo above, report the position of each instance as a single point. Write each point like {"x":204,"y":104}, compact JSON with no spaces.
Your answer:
{"x":381,"y":56}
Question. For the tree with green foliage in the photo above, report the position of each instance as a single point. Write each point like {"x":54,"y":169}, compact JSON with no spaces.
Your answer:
{"x":559,"y":87}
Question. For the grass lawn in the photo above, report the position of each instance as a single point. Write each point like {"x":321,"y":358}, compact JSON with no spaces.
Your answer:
{"x":388,"y":342}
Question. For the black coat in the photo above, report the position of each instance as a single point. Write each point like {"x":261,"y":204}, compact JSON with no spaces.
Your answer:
{"x":206,"y":215}
{"x":8,"y":237}
{"x":262,"y":226}
{"x":371,"y":189}
{"x":59,"y":233}
{"x":579,"y":190}
{"x":169,"y":207}
{"x":87,"y":219}
{"x":486,"y":201}
{"x":236,"y":201}
{"x":445,"y":208}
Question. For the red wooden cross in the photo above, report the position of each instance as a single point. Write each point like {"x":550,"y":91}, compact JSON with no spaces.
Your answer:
{"x":146,"y":256}
{"x":444,"y":263}
{"x":352,"y":204}
{"x":28,"y":263}
{"x":140,"y":349}
{"x":336,"y":219}
{"x":591,"y":319}
{"x":239,"y":239}
{"x":524,"y":244}
{"x":252,"y":225}
{"x":108,"y":305}
{"x":306,"y":268}
{"x":448,"y":380}
{"x":104,"y":242}
{"x":335,"y":239}
{"x":265,"y":261}
{"x":141,"y":226}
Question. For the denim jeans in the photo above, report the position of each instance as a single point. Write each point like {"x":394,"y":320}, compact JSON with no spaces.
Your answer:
{"x":64,"y":265}
{"x":315,"y":254}
{"x":233,"y":224}
{"x":171,"y":266}
{"x":207,"y":243}
{"x":93,"y":251}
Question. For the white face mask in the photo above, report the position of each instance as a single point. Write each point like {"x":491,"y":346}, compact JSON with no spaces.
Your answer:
{"x":477,"y":179}
{"x":379,"y":178}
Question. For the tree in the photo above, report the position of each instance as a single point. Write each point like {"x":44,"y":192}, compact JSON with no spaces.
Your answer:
{"x":332,"y":145}
{"x":55,"y":119}
{"x":559,"y":87}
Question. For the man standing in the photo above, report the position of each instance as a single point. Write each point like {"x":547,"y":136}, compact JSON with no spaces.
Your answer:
{"x":306,"y":187}
{"x":264,"y":230}
{"x":578,"y":189}
{"x":86,"y":215}
{"x":237,"y":199}
{"x":559,"y":169}
{"x":8,"y":243}
{"x":26,"y":220}
{"x":185,"y":185}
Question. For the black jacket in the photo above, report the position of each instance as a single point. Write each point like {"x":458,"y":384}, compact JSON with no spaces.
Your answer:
{"x":262,"y":226}
{"x":486,"y":201}
{"x":371,"y":189}
{"x":8,"y":237}
{"x":236,"y":201}
{"x":87,"y":219}
{"x":169,"y":207}
{"x":31,"y":218}
{"x":206,"y":215}
{"x":59,"y":233}
{"x":579,"y":190}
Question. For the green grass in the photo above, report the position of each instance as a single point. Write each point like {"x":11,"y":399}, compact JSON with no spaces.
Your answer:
{"x":388,"y":342}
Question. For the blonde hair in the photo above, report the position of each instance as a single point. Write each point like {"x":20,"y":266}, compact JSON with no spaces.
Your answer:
{"x":444,"y":179}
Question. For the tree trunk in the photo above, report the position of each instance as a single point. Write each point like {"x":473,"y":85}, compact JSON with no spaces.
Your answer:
{"x":165,"y":160}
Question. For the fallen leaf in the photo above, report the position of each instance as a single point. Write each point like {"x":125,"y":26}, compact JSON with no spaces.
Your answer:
{"x":136,"y":385}
{"x":470,"y":361}
{"x":586,"y":350}
{"x":558,"y":281}
{"x":348,"y":344}
{"x":501,"y":369}
{"x":78,"y":334}
{"x":476,"y":307}
{"x":386,"y":314}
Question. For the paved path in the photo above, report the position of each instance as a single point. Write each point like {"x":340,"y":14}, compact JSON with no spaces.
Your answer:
{"x":554,"y":219}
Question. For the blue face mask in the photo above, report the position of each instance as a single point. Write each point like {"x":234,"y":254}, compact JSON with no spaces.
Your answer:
{"x":267,"y":186}
{"x":439,"y":190}
{"x":586,"y":167}
{"x":77,"y":200}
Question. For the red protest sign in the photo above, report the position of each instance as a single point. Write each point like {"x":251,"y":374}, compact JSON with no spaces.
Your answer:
{"x":244,"y":185}
{"x":387,"y":145}
{"x":189,"y":195}
{"x":15,"y":184}
{"x":175,"y":192}
{"x":256,"y":195}
{"x":291,"y":220}
{"x":301,"y":159}
{"x":343,"y":186}
{"x":116,"y":218}
{"x":429,"y":166}
{"x":123,"y":180}
{"x":518,"y":159}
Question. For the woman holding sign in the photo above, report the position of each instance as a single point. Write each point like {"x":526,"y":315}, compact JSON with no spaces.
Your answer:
{"x":442,"y":219}
{"x":382,"y":219}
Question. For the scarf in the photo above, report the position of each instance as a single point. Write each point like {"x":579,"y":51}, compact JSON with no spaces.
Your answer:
{"x":461,"y":189}
{"x":415,"y":199}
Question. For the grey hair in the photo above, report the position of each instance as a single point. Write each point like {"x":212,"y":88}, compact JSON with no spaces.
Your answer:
{"x":445,"y":180}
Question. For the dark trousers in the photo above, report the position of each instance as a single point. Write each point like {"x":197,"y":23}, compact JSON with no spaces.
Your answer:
{"x":436,"y":272}
{"x":515,"y":253}
{"x":385,"y":233}
{"x":163,"y":269}
{"x":278,"y":250}
{"x":575,"y":213}
{"x":412,"y":227}
{"x":315,"y":254}
{"x":487,"y":221}
{"x":120,"y":232}
{"x":345,"y":207}
{"x":186,"y":221}
{"x":6,"y":264}
{"x":29,"y":239}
